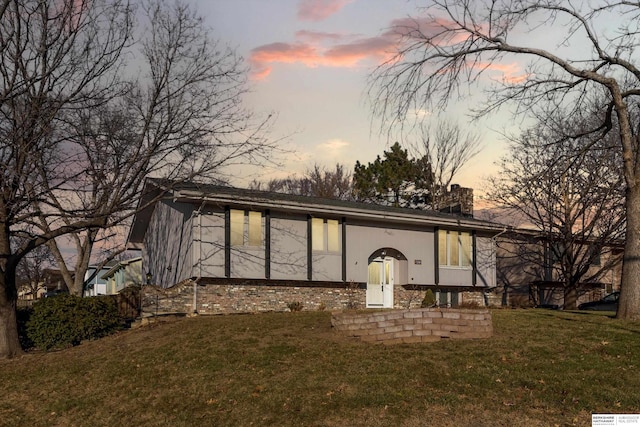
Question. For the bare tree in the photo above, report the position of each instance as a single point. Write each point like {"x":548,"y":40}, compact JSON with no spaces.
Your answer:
{"x":30,"y":273}
{"x":330,"y":184}
{"x":446,"y":148}
{"x":316,"y":182}
{"x":459,"y":42}
{"x":81,"y":127}
{"x":571,"y":192}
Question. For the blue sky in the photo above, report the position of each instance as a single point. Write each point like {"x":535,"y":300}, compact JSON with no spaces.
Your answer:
{"x":310,"y":60}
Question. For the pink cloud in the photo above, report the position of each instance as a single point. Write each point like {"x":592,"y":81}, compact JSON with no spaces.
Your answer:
{"x":320,"y":37}
{"x":511,"y":73}
{"x":286,"y":53}
{"x":317,"y":10}
{"x":347,"y":55}
{"x":313,"y":48}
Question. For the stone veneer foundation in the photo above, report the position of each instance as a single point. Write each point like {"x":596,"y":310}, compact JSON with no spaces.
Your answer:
{"x":414,"y":325}
{"x":240,"y":296}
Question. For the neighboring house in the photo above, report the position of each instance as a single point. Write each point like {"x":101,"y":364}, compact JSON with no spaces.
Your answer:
{"x":94,"y":284}
{"x":124,"y":273}
{"x":528,"y":273}
{"x":52,"y":282}
{"x":247,"y":250}
{"x":30,"y":291}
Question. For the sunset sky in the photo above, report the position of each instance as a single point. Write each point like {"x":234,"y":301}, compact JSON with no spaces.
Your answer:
{"x":310,"y":60}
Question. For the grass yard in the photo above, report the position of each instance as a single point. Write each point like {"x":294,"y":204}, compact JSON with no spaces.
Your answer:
{"x":541,"y":368}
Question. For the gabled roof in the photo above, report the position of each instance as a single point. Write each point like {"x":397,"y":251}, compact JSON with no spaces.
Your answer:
{"x":255,"y":199}
{"x":119,"y":265}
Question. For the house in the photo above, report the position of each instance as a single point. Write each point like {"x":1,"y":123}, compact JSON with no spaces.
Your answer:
{"x":94,"y":284}
{"x":124,"y":273}
{"x":529,"y":274}
{"x":235,"y":250}
{"x":51,"y":282}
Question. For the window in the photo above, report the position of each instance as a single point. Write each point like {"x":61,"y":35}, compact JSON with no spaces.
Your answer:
{"x":454,"y":248}
{"x":594,"y":256}
{"x":447,"y":298}
{"x":246,"y":228}
{"x":558,"y":251}
{"x":325,"y":235}
{"x":317,"y":234}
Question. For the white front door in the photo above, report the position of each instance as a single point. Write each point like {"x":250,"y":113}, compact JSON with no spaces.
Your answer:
{"x":380,"y":283}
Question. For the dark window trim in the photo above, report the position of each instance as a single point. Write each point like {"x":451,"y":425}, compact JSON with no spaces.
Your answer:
{"x":344,"y":249}
{"x":309,"y":250}
{"x":436,"y":246}
{"x":227,"y":241}
{"x":267,"y":244}
{"x":474,"y":263}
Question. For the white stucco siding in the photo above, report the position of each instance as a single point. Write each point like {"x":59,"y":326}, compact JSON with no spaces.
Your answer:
{"x":247,"y":263}
{"x":168,"y":243}
{"x":327,"y":266}
{"x":451,"y":276}
{"x":485,"y":262}
{"x":416,"y":245}
{"x":289,"y":248}
{"x":208,"y":247}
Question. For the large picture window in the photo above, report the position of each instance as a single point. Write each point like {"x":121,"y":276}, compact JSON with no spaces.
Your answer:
{"x":246,"y":228}
{"x":454,"y":248}
{"x":325,"y":235}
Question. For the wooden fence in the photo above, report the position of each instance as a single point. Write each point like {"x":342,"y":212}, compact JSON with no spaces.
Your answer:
{"x":128,"y":302}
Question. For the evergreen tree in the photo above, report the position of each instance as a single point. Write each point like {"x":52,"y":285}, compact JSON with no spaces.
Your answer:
{"x":396,"y":179}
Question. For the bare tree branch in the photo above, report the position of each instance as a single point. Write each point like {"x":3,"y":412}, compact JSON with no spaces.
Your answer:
{"x":458,"y":44}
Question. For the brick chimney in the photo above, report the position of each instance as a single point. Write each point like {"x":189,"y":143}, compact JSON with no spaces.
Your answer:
{"x":459,"y":201}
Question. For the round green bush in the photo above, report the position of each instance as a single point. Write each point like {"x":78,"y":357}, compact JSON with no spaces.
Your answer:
{"x":66,"y":320}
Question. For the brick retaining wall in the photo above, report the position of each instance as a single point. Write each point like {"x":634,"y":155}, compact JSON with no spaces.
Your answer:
{"x":414,"y":325}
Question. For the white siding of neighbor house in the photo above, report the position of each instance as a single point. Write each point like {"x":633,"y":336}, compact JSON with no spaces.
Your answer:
{"x":289,"y":248}
{"x":415,"y":244}
{"x":127,"y":273}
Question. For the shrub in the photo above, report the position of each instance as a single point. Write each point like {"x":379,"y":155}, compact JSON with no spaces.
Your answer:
{"x":469,"y":304}
{"x":295,"y":306}
{"x":66,"y":320}
{"x":429,"y":299}
{"x":22,"y":316}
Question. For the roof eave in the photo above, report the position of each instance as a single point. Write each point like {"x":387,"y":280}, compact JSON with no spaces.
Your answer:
{"x":321,"y":209}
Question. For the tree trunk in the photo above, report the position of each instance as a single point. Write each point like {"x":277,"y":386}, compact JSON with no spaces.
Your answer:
{"x":629,"y":306}
{"x":571,"y":297}
{"x":9,"y":340}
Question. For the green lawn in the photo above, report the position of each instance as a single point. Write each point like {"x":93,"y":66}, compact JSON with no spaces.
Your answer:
{"x":541,"y":368}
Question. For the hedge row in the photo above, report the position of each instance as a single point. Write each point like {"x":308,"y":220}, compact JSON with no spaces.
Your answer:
{"x":66,"y":320}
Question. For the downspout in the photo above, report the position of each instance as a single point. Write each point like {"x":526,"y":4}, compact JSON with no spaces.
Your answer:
{"x":195,"y":282}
